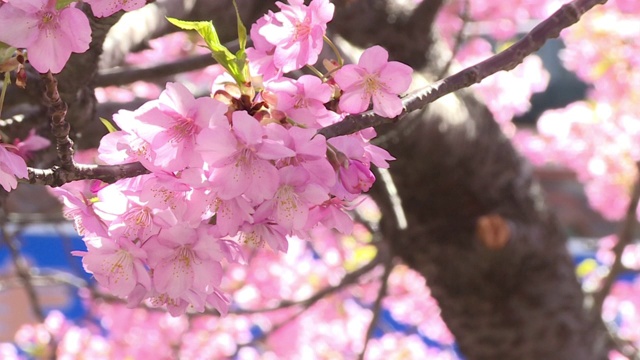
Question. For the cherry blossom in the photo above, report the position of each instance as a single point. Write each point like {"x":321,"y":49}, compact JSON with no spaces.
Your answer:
{"x":12,"y":166}
{"x":374,"y":78}
{"x":118,"y":264}
{"x":296,"y":33}
{"x":49,"y":35}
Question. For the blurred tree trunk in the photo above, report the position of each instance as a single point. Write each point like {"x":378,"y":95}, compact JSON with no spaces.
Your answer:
{"x":454,"y":171}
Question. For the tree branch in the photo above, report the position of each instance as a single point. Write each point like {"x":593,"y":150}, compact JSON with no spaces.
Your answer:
{"x":118,"y":76}
{"x":625,"y":236}
{"x":57,"y":176}
{"x":377,"y":306}
{"x":508,"y":59}
{"x":22,"y":270}
{"x":60,"y":128}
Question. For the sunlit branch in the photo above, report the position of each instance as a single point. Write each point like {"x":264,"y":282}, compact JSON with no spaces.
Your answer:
{"x":377,"y":306}
{"x":625,"y":236}
{"x":349,"y":279}
{"x":460,"y":36}
{"x":57,"y":176}
{"x":506,"y":60}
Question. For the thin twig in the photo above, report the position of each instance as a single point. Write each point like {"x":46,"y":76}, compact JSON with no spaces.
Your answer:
{"x":464,"y":16}
{"x":506,"y":60}
{"x":267,"y":333}
{"x":623,"y":346}
{"x":625,"y":236}
{"x":377,"y":306}
{"x":23,"y":272}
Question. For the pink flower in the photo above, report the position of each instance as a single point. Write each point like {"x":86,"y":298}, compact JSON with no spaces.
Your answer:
{"x":186,"y":263}
{"x":303,"y":100}
{"x":118,"y":265}
{"x":294,"y":197}
{"x":296,"y":32}
{"x":240,"y":157}
{"x":261,"y":55}
{"x":79,"y":208}
{"x":373,"y":78}
{"x":170,"y":126}
{"x":49,"y":35}
{"x":11,"y":167}
{"x":31,"y":144}
{"x":103,"y":8}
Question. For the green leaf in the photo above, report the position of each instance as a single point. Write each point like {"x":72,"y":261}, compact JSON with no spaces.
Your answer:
{"x":5,"y":85}
{"x":60,"y":4}
{"x":236,"y":65}
{"x":110,"y":127}
{"x":241,"y":54}
{"x":242,"y":31}
{"x":6,"y":52}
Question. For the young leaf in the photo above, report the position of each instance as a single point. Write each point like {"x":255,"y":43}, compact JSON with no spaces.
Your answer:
{"x":110,"y":127}
{"x":235,"y":65}
{"x":6,"y":52}
{"x":220,"y":53}
{"x":242,"y":30}
{"x":5,"y":85}
{"x":61,"y":4}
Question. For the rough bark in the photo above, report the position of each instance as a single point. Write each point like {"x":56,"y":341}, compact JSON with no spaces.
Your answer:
{"x":517,"y":300}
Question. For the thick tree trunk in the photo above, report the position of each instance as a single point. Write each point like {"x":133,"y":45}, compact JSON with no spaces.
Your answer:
{"x":455,"y":171}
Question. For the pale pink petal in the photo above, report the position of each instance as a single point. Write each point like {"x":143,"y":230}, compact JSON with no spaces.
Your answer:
{"x":217,"y":146}
{"x":349,"y":76}
{"x":373,"y":59}
{"x":264,"y":181}
{"x":76,"y":29}
{"x":247,"y":128}
{"x":231,"y":181}
{"x":47,"y":53}
{"x":173,"y":277}
{"x":19,"y":28}
{"x":177,"y":98}
{"x":387,"y":105}
{"x":396,"y":77}
{"x":355,"y":102}
{"x":29,"y":6}
{"x":272,"y":150}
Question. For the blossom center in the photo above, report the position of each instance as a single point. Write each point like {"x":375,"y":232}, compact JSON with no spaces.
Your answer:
{"x":140,"y":216}
{"x":183,"y":128}
{"x":49,"y":21}
{"x":287,"y":200}
{"x":302,"y":30}
{"x":121,"y":262}
{"x":371,"y":83}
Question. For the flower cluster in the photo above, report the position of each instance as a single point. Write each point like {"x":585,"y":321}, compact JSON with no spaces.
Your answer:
{"x":240,"y":169}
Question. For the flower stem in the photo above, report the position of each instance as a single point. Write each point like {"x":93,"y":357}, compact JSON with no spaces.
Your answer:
{"x":335,"y":50}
